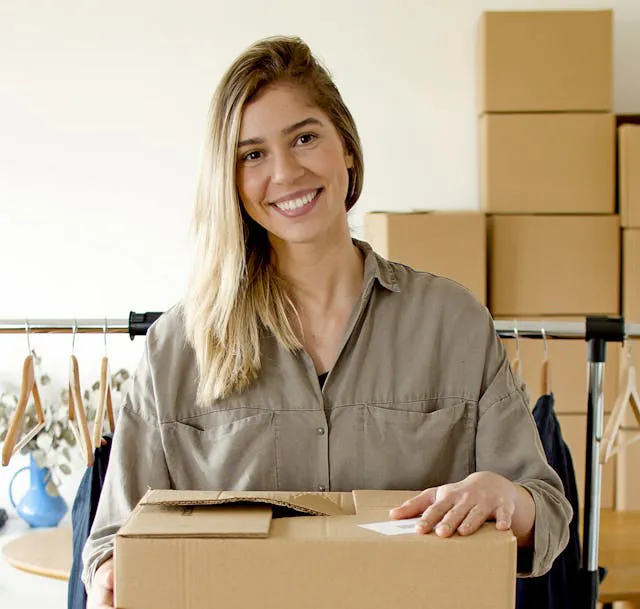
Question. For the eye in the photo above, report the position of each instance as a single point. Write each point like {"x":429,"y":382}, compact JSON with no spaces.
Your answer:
{"x":254,"y":155}
{"x":307,"y":138}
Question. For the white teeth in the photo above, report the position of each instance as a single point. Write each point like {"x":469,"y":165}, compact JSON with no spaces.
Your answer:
{"x":297,"y":203}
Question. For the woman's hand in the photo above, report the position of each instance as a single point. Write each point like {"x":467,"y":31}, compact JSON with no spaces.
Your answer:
{"x":465,"y":506}
{"x":100,"y":595}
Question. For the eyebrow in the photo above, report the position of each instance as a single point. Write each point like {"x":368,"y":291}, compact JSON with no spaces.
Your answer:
{"x":286,"y":131}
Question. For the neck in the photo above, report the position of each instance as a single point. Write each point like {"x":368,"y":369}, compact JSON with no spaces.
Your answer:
{"x":321,"y":276}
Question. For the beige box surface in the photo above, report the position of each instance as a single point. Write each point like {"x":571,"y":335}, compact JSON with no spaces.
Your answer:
{"x":451,"y":244}
{"x":545,"y":61}
{"x":554,"y":265}
{"x":178,"y":550}
{"x":547,"y":163}
{"x":631,"y":275}
{"x":574,"y":432}
{"x":628,"y":473}
{"x":629,"y":175}
{"x":568,"y":371}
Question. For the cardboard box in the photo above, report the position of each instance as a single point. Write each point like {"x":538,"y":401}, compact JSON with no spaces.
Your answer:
{"x":568,"y":371}
{"x":554,"y":265}
{"x":547,"y":163}
{"x":275,"y":550}
{"x":628,"y":473}
{"x":545,"y":61}
{"x":451,"y":244}
{"x":574,"y":432}
{"x":631,"y":275}
{"x":629,"y":175}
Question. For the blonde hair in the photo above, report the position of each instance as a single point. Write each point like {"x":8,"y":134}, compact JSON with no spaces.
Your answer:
{"x":234,"y":291}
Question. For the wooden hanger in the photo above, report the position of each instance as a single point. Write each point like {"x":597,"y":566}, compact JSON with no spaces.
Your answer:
{"x":627,"y":397}
{"x":517,"y":362}
{"x":28,"y":387}
{"x":79,"y":428}
{"x":546,"y":373}
{"x":105,"y":403}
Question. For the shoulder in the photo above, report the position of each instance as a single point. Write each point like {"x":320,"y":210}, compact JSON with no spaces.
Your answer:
{"x":167,"y":347}
{"x":168,"y":330}
{"x":428,"y":293}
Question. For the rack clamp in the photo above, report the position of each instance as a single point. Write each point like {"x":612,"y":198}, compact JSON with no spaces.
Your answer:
{"x":139,"y":323}
{"x":599,"y":332}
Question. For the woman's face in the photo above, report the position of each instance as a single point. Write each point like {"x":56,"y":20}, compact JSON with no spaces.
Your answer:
{"x":292,"y":167}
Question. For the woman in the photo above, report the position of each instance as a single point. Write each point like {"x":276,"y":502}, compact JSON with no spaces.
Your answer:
{"x":301,"y":360}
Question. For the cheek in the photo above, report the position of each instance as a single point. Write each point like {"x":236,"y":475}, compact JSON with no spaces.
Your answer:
{"x":250,"y":188}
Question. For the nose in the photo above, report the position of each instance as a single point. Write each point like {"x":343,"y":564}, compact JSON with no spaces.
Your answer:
{"x":286,"y":167}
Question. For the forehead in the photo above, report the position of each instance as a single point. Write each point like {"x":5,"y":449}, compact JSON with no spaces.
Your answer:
{"x":275,"y":108}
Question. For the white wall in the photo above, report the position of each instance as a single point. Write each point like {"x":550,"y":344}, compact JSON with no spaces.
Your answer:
{"x":102,"y":117}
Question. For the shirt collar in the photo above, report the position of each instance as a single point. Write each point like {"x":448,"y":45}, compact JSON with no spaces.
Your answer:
{"x":377,"y":267}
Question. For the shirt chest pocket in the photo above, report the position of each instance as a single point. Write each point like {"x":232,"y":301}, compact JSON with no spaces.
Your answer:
{"x":223,"y":450}
{"x":414,"y":449}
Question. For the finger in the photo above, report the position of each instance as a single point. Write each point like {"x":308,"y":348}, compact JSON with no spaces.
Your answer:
{"x":104,"y":575}
{"x":414,"y":506}
{"x":434,"y":514}
{"x":503,"y":518}
{"x":453,"y":519}
{"x":476,"y":517}
{"x":100,"y":597}
{"x":106,"y":600}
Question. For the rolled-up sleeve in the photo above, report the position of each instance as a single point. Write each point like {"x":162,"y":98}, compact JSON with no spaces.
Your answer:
{"x":136,"y":462}
{"x":509,"y":444}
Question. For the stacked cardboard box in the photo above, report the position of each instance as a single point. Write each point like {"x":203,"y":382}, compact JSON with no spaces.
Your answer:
{"x":629,"y":199}
{"x":628,"y":460}
{"x":450,"y":244}
{"x":547,"y":183}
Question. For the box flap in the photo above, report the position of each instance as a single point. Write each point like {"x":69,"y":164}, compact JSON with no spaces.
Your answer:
{"x":202,"y":521}
{"x":314,"y":504}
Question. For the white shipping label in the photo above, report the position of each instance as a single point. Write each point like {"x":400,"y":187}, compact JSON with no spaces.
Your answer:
{"x":393,"y":527}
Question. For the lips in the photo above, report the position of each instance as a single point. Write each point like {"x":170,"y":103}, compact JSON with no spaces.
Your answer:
{"x":298,"y":205}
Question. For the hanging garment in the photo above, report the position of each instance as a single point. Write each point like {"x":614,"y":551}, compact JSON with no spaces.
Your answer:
{"x":82,"y":515}
{"x":558,"y":588}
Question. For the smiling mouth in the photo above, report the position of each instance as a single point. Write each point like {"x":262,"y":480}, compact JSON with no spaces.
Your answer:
{"x":293,"y":204}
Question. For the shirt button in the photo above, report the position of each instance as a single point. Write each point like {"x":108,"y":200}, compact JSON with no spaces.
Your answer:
{"x":320,"y":431}
{"x":322,"y":488}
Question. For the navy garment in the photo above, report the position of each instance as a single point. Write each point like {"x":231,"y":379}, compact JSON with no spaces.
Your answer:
{"x":557,"y":589}
{"x":82,"y":514}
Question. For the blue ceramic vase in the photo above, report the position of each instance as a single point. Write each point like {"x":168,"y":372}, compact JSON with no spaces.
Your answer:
{"x":42,"y":505}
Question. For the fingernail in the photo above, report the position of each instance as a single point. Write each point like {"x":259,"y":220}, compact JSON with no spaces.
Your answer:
{"x":443,"y":528}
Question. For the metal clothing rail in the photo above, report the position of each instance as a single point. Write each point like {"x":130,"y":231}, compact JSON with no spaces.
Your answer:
{"x":138,"y":323}
{"x":597,"y":331}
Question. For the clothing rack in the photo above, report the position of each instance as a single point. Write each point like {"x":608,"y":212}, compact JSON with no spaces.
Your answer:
{"x":597,"y":331}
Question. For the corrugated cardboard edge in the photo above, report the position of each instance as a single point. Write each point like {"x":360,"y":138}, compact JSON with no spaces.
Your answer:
{"x":314,"y":504}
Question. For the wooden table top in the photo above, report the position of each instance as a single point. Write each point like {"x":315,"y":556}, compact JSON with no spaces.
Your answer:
{"x":619,"y":552}
{"x":45,"y":552}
